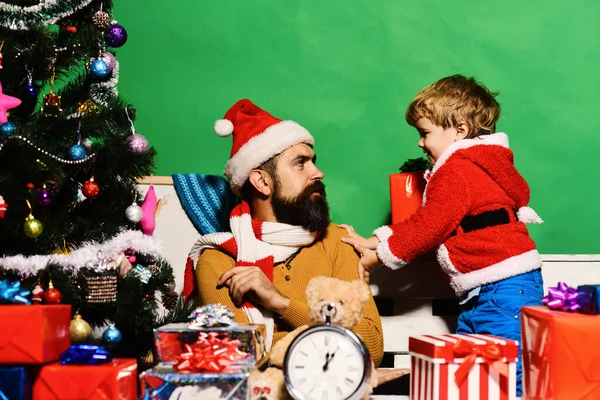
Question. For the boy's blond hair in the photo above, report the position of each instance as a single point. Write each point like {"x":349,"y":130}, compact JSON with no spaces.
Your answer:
{"x":454,"y":99}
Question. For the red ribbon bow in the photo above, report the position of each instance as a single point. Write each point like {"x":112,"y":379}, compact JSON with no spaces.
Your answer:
{"x":491,"y":352}
{"x":209,"y":354}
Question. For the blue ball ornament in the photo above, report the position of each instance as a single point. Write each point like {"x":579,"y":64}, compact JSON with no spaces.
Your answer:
{"x":112,"y":336}
{"x":77,"y":152}
{"x":99,"y":68}
{"x":8,"y":129}
{"x":30,"y":90}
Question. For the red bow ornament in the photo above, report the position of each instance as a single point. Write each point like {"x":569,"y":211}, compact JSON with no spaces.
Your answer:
{"x":209,"y":354}
{"x":490,"y":352}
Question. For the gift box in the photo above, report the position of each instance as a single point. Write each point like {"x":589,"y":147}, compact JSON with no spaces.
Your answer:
{"x":164,"y":383}
{"x":33,"y":334}
{"x":589,"y":299}
{"x":15,"y":383}
{"x":406,"y":194}
{"x":170,"y":340}
{"x":560,"y":357}
{"x":463,"y":367}
{"x":116,"y":379}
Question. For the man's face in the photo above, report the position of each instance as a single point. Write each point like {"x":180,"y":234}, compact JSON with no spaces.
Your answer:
{"x":298,"y":193}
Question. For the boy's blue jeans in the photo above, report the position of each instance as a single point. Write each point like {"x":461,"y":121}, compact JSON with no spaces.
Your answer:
{"x":496,"y":311}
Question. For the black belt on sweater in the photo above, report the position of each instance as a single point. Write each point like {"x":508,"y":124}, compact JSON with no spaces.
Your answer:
{"x":484,"y":220}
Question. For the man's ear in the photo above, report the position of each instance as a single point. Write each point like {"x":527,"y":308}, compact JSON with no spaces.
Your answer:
{"x":462,"y":130}
{"x":261,"y":181}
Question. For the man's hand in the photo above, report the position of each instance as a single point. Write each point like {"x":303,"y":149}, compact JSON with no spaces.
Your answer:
{"x":252,"y":283}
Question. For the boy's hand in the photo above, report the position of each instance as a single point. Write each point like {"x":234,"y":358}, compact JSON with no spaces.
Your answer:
{"x":355,"y":239}
{"x":368,"y":262}
{"x":366,"y":248}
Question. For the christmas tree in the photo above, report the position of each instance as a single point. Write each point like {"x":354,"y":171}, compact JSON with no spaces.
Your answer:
{"x":71,"y":226}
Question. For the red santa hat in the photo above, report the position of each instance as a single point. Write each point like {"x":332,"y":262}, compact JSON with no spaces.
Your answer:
{"x":257,"y":137}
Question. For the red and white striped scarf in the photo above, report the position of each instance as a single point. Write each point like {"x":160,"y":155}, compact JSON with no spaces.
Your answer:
{"x":251,"y":243}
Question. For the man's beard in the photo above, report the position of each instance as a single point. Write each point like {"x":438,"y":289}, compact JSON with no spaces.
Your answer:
{"x":308,"y":211}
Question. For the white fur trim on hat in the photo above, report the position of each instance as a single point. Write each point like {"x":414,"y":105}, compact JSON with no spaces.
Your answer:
{"x":274,"y":140}
{"x":529,"y":216}
{"x":223,"y":127}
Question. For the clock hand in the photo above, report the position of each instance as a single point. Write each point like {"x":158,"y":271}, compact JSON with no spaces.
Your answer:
{"x":328,"y":358}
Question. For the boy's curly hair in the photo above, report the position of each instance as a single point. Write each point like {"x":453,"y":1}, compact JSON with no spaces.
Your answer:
{"x":454,"y":99}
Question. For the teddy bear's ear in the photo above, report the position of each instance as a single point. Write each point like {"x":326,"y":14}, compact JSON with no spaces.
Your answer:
{"x":363,"y":291}
{"x":314,"y":285}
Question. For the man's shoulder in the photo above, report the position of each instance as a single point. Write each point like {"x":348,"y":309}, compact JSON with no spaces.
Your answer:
{"x":333,"y":233}
{"x":214,"y":255}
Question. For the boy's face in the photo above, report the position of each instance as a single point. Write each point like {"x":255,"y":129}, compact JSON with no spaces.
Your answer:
{"x":434,"y":139}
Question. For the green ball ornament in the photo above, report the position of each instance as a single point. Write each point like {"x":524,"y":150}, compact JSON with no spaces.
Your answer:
{"x":32,"y":227}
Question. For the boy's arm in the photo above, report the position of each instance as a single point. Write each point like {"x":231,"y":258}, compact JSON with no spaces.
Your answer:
{"x":448,"y":202}
{"x":211,"y":265}
{"x":369,"y":328}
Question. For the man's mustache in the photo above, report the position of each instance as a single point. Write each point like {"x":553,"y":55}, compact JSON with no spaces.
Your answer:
{"x":317,"y":186}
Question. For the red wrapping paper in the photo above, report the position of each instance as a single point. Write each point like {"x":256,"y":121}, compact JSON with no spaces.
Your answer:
{"x":33,"y":334}
{"x":114,"y":380}
{"x":406,"y":194}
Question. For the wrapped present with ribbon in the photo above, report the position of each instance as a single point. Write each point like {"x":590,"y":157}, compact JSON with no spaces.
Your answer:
{"x":15,"y":382}
{"x":463,"y":366}
{"x":585,"y":299}
{"x":560,"y":357}
{"x":34,"y":334}
{"x":215,"y":322}
{"x":164,"y":383}
{"x":115,"y":379}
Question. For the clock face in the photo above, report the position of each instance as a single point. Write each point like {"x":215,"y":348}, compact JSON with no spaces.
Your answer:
{"x":325,"y":363}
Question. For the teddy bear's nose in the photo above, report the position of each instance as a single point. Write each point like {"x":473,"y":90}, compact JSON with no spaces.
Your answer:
{"x":328,"y":312}
{"x":262,"y":398}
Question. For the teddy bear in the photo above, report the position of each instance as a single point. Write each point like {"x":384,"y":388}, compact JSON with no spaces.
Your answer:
{"x":268,"y":385}
{"x":321,"y":292}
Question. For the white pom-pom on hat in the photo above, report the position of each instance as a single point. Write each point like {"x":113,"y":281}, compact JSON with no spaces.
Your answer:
{"x":528,"y":216}
{"x":223,"y":127}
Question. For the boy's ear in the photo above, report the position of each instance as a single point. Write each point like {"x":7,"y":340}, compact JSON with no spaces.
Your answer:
{"x":261,"y":181}
{"x":462,"y":130}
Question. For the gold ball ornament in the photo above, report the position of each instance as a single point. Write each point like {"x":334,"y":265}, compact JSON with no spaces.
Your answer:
{"x":80,"y":329}
{"x":32,"y":227}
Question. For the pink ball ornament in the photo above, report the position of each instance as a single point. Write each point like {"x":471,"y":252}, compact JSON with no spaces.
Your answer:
{"x":137,"y":143}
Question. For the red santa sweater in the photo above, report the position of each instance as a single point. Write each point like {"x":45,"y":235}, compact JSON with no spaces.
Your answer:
{"x":470,"y":177}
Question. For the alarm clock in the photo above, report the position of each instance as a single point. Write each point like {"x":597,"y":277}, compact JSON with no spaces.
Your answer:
{"x":327,"y":362}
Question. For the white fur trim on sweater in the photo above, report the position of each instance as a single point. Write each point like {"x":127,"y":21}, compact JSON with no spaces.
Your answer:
{"x":388,"y":258}
{"x":383,"y":233}
{"x":498,"y":139}
{"x":529,"y":216}
{"x":223,"y":127}
{"x":512,"y":266}
{"x":274,"y":140}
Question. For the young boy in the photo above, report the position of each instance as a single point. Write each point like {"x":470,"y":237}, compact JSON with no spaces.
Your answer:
{"x":474,"y":211}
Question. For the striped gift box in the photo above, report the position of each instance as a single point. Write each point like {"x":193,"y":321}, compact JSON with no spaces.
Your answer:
{"x":463,"y":367}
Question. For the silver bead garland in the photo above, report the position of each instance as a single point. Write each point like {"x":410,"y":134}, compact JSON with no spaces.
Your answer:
{"x":62,"y":160}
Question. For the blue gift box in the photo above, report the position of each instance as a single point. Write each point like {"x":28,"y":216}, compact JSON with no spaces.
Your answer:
{"x":15,"y":383}
{"x":164,"y":383}
{"x":588,"y":300}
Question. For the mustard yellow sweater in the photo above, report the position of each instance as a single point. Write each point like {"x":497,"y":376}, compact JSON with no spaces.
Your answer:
{"x":328,"y":256}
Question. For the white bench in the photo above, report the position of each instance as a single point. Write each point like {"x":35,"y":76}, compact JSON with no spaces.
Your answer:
{"x":413,"y":300}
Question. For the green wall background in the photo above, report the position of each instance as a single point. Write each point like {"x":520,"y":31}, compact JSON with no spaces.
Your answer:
{"x":346,"y":70}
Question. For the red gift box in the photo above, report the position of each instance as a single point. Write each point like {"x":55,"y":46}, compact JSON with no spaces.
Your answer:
{"x":34,"y":334}
{"x":406,"y":194}
{"x":114,"y":380}
{"x":473,"y":367}
{"x":560,"y":354}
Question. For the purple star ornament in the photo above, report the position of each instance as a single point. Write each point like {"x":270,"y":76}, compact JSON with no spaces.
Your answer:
{"x":6,"y":103}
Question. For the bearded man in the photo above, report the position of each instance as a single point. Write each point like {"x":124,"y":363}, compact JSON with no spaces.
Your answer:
{"x":281,"y":235}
